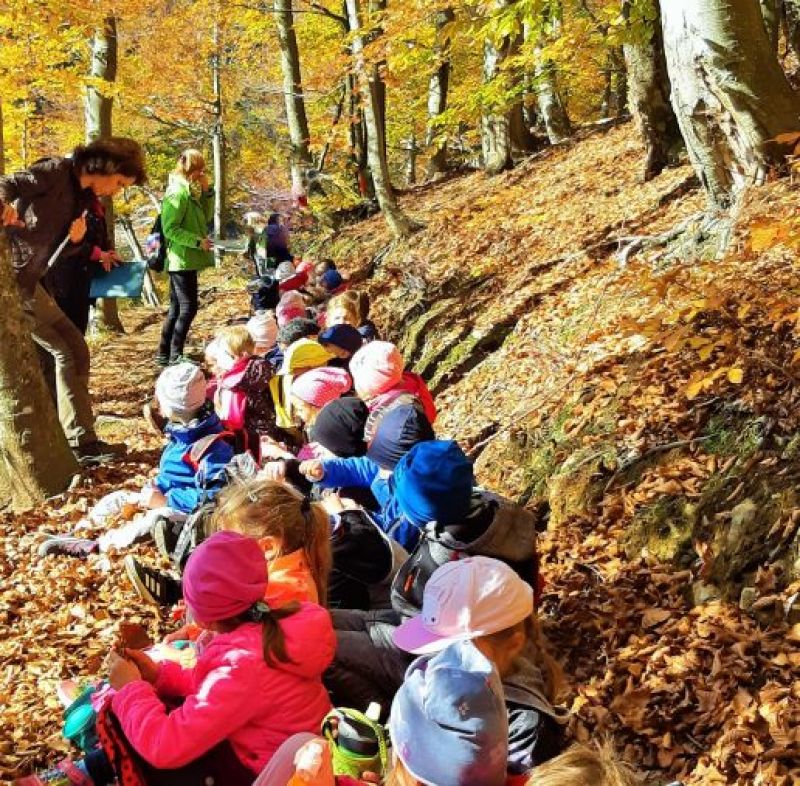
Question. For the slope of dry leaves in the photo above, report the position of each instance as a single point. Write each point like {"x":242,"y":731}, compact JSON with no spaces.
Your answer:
{"x":599,"y":396}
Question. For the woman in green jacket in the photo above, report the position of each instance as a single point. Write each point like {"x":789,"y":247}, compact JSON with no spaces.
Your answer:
{"x":186,"y":212}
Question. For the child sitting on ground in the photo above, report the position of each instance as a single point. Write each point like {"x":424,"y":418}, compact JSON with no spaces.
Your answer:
{"x":312,"y":391}
{"x":397,"y":433}
{"x":343,"y":341}
{"x":263,"y":329}
{"x":448,"y":727}
{"x":291,"y":306}
{"x":482,"y":600}
{"x":255,"y":685}
{"x":191,"y":469}
{"x":380,"y":378}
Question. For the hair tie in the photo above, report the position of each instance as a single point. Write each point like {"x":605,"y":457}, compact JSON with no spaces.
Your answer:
{"x":258,"y":611}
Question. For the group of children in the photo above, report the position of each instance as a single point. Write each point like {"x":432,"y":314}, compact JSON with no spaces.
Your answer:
{"x":355,"y":608}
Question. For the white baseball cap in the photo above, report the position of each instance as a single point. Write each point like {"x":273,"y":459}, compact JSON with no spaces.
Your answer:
{"x":462,"y":600}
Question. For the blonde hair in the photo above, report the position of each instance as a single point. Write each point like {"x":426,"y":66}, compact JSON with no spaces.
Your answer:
{"x":189,"y":162}
{"x":581,"y":765}
{"x":347,"y":303}
{"x":267,"y":508}
{"x":236,"y":340}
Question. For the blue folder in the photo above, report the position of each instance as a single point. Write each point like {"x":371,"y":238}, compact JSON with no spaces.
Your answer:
{"x":121,"y":281}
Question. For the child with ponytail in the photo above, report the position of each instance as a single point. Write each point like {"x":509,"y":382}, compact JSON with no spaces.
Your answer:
{"x":256,"y":684}
{"x":294,"y":535}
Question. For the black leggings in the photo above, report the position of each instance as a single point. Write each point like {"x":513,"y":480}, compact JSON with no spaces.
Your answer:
{"x":182,"y":311}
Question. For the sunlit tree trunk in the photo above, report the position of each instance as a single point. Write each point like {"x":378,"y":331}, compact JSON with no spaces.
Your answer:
{"x":2,"y":143}
{"x":495,"y":122}
{"x":218,"y":138}
{"x":790,"y":13}
{"x":293,"y":94}
{"x":35,"y":459}
{"x":648,"y":99}
{"x":551,"y":106}
{"x":98,"y":113}
{"x":398,"y":222}
{"x":729,"y":92}
{"x":437,"y":94}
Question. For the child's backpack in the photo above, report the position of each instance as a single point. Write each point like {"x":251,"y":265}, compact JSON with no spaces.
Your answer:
{"x":156,"y":247}
{"x":80,"y":720}
{"x":360,"y":744}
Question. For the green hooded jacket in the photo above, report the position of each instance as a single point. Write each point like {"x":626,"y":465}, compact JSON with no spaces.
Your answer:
{"x":184,"y":221}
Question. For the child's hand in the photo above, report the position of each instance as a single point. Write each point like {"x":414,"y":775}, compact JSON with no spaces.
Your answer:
{"x":182,"y":634}
{"x":332,"y":503}
{"x":270,"y":449}
{"x":148,"y":668}
{"x":121,"y":671}
{"x":274,"y":470}
{"x":313,"y":469}
{"x":152,"y":498}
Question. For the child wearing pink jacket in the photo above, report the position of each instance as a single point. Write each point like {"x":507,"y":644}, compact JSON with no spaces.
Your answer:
{"x":255,"y":685}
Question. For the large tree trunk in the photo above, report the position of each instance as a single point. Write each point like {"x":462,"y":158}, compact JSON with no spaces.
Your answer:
{"x":98,"y":108}
{"x":2,"y":142}
{"x":495,"y":125}
{"x":437,"y":94}
{"x":218,"y":140}
{"x":398,"y":222}
{"x":293,"y":94}
{"x":551,"y":105}
{"x":729,"y":92}
{"x":648,"y":99}
{"x":771,"y":13}
{"x":35,"y":459}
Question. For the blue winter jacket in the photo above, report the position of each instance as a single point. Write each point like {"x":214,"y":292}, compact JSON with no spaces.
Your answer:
{"x":363,"y":472}
{"x":184,"y":486}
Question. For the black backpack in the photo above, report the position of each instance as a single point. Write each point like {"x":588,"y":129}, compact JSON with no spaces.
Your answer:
{"x":156,"y":247}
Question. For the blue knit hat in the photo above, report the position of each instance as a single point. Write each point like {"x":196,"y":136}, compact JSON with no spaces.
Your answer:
{"x":433,"y":482}
{"x":449,"y":724}
{"x":343,"y":336}
{"x":331,"y":279}
{"x":398,"y":431}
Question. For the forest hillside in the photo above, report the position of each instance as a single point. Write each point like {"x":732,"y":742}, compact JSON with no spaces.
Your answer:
{"x":648,"y":404}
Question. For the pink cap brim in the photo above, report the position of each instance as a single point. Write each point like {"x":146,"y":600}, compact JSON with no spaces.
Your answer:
{"x":412,"y":636}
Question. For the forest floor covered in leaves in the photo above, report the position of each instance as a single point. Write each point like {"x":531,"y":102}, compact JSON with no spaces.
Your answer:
{"x":651,"y":404}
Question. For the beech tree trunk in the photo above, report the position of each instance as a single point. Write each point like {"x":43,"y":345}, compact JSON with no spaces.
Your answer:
{"x":218,"y":140}
{"x":649,"y":102}
{"x":437,"y":95}
{"x":98,"y":114}
{"x":2,"y":143}
{"x":398,"y":222}
{"x":771,"y":12}
{"x":551,"y":106}
{"x":495,"y":123}
{"x":293,"y":94}
{"x":729,"y":92}
{"x":35,"y":459}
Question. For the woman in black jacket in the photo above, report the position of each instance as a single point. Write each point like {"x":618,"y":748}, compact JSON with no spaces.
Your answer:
{"x":42,"y":207}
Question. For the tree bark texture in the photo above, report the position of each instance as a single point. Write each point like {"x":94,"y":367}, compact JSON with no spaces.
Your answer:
{"x":771,"y":12}
{"x":99,"y":105}
{"x":396,"y":219}
{"x":437,"y":95}
{"x":551,"y":105}
{"x":495,"y":124}
{"x":35,"y":459}
{"x":790,"y":15}
{"x":293,"y":93}
{"x":729,"y":92}
{"x":649,"y":102}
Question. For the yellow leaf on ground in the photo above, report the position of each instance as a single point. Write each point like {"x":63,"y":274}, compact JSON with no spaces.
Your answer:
{"x":735,"y":375}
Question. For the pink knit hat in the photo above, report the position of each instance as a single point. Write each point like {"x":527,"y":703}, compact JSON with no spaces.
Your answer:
{"x":225,"y":576}
{"x":320,"y":386}
{"x":376,"y":368}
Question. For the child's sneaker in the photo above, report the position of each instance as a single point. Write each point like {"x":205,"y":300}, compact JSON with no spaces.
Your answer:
{"x":68,"y":546}
{"x":65,"y":773}
{"x":166,"y":534}
{"x":154,"y":586}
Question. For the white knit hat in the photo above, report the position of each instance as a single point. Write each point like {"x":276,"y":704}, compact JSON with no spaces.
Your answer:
{"x":181,"y":391}
{"x":263,"y":329}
